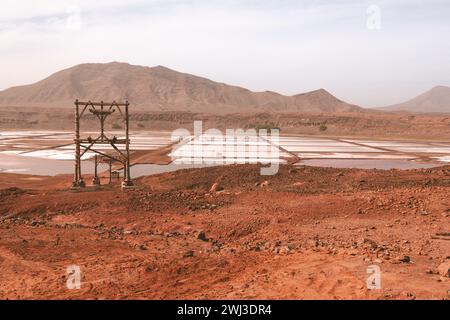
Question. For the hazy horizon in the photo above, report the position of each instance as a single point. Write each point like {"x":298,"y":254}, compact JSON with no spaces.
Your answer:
{"x":369,"y":53}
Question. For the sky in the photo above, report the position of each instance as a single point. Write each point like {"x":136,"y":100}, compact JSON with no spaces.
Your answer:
{"x":370,"y":53}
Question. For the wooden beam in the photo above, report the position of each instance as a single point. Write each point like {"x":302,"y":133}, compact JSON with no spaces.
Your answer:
{"x":99,"y":104}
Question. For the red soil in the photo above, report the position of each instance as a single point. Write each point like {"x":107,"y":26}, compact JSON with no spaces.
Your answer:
{"x":306,"y":233}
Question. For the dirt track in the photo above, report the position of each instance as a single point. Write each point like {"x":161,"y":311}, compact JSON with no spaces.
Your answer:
{"x":305,"y":233}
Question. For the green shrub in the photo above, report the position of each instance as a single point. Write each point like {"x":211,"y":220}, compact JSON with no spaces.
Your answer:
{"x":267,"y":126}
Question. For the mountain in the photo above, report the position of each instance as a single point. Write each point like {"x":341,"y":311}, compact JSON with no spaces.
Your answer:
{"x":434,"y":100}
{"x":160,"y":89}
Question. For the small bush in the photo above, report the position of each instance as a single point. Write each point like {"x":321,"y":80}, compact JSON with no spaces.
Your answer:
{"x":116,"y":126}
{"x":267,"y":126}
{"x":323,"y":128}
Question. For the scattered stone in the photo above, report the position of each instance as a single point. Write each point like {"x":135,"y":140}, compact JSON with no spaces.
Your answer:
{"x":284,"y":250}
{"x":202,"y":236}
{"x":143,"y":247}
{"x":444,"y":269}
{"x":216,"y":187}
{"x":378,"y":261}
{"x":298,"y":184}
{"x":371,"y":243}
{"x":264,"y":184}
{"x":409,"y":295}
{"x":443,"y":234}
{"x":404,"y":259}
{"x":188,"y":254}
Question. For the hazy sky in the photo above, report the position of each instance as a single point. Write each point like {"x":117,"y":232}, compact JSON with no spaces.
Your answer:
{"x":371,"y":53}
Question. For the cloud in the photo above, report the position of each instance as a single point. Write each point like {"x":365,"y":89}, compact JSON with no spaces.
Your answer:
{"x":284,"y":45}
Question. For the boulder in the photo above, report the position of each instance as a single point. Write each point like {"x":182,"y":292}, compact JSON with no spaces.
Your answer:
{"x":444,"y":269}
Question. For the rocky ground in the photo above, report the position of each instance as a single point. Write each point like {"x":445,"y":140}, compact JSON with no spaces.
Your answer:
{"x":229,"y":233}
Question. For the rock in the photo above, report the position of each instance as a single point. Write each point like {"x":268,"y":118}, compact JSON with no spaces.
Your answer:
{"x":409,"y":295}
{"x":142,"y":247}
{"x":444,"y":269}
{"x":202,"y":236}
{"x":378,"y":261}
{"x":264,"y":184}
{"x":216,"y":187}
{"x":404,"y":259}
{"x":371,"y":243}
{"x":313,"y":242}
{"x":284,"y":250}
{"x":188,"y":254}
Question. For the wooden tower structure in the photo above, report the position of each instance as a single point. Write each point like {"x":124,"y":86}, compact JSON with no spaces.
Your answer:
{"x":121,"y":146}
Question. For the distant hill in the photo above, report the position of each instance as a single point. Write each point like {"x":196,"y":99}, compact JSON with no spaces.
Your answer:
{"x":434,"y":100}
{"x":161,"y":89}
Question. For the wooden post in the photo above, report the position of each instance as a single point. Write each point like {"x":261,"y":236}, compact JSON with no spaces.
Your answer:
{"x":110,"y":171}
{"x":102,"y":122}
{"x":96,"y":180}
{"x":77,"y":175}
{"x":127,"y":179}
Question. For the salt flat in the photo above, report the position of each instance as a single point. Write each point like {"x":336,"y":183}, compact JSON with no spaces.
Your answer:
{"x":51,"y":152}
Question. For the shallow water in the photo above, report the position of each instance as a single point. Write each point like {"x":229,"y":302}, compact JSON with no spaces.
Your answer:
{"x":44,"y":167}
{"x":51,"y":153}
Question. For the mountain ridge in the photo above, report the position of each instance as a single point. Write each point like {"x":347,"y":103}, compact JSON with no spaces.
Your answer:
{"x":435,"y":100}
{"x":161,"y":89}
